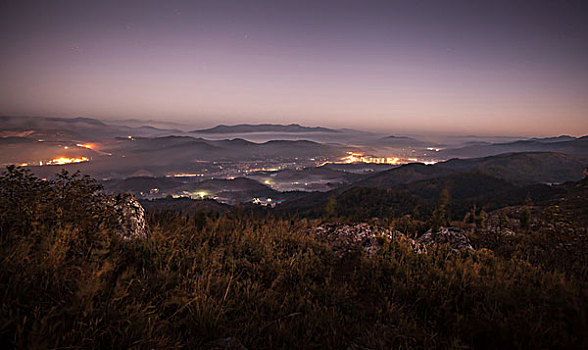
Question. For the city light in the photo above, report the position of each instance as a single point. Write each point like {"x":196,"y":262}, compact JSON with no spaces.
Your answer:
{"x":86,"y":145}
{"x":360,"y":157}
{"x":64,"y":160}
{"x":184,"y":175}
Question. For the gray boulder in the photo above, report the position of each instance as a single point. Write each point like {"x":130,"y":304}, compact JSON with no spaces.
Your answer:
{"x":130,"y":217}
{"x":454,"y":237}
{"x":350,"y":238}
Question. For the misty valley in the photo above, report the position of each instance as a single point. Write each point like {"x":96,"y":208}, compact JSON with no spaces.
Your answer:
{"x":271,"y":164}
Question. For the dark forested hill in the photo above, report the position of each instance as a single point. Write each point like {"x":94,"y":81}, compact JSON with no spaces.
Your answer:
{"x":490,"y":182}
{"x":518,"y":168}
{"x":564,"y":144}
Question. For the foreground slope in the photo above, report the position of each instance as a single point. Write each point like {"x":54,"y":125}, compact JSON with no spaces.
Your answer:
{"x":203,"y":279}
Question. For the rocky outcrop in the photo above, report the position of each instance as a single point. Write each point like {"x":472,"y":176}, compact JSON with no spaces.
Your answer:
{"x":346,"y":239}
{"x":130,"y":217}
{"x":454,"y":237}
{"x":496,"y":231}
{"x":350,"y":238}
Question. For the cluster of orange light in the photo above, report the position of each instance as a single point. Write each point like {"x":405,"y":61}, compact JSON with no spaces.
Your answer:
{"x":253,"y":170}
{"x":184,"y":175}
{"x":86,"y":145}
{"x":359,"y":157}
{"x":64,"y":160}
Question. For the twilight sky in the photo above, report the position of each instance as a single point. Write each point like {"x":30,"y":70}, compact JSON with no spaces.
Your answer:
{"x":485,"y":67}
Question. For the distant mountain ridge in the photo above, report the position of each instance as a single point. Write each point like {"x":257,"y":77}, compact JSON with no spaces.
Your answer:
{"x":73,"y":128}
{"x":563,"y":144}
{"x":554,"y":138}
{"x":400,"y":141}
{"x":250,"y":128}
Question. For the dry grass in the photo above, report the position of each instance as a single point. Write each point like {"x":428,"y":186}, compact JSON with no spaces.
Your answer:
{"x":266,"y":282}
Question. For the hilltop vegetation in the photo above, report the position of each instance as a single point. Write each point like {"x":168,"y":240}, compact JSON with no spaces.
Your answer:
{"x":68,"y":280}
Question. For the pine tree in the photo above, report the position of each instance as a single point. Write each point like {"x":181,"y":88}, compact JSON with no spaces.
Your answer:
{"x":331,"y":208}
{"x":440,"y":217}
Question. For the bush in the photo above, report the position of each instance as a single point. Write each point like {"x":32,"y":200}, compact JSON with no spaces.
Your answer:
{"x":67,"y":280}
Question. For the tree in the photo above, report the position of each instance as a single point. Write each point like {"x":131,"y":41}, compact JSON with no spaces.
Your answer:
{"x":481,"y":219}
{"x":471,"y":215}
{"x":440,"y":217}
{"x":331,"y":208}
{"x":526,"y":218}
{"x":416,"y":212}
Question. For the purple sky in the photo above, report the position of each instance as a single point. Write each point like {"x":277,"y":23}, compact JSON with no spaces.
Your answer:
{"x":495,"y":67}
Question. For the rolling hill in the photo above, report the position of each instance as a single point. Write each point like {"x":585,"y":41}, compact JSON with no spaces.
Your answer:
{"x":401,"y":141}
{"x":80,"y":129}
{"x":490,"y":182}
{"x":564,"y":144}
{"x":517,"y":168}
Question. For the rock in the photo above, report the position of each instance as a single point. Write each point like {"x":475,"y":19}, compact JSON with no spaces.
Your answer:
{"x":130,"y":217}
{"x":347,"y":239}
{"x":500,"y":225}
{"x":453,"y":236}
{"x":230,"y":343}
{"x":497,"y":231}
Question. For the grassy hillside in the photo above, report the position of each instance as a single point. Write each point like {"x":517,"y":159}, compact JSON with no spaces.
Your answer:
{"x":68,"y":280}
